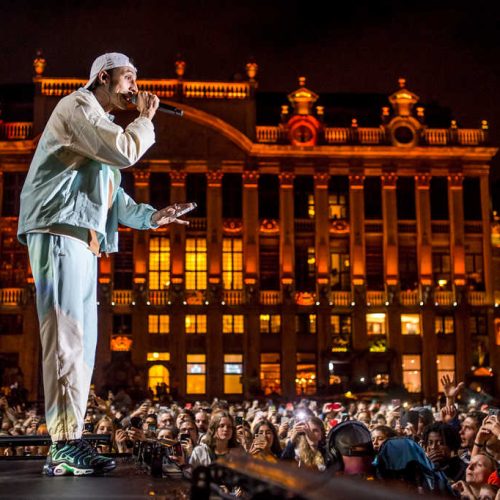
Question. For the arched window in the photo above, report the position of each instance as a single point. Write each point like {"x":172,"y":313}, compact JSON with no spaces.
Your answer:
{"x":158,"y":374}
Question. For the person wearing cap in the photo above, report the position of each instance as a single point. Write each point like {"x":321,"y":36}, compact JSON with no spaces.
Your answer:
{"x":71,"y":204}
{"x":351,"y":448}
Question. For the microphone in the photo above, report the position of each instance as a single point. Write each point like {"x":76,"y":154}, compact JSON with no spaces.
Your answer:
{"x":165,"y":108}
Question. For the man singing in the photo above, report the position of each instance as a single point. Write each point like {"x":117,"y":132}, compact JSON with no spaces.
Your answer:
{"x":71,"y":204}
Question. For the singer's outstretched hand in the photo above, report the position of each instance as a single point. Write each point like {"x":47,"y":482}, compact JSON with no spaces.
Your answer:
{"x":147,"y":104}
{"x":167,"y":215}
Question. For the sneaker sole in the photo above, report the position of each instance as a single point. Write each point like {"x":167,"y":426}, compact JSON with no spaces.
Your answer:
{"x":64,"y":469}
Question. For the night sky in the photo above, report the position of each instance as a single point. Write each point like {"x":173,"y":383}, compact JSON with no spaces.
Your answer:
{"x":448,"y":51}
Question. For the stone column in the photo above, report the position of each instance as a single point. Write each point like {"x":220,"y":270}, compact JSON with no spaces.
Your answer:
{"x":215,"y":355}
{"x":456,"y":210}
{"x":141,"y":253}
{"x":177,"y":318}
{"x":391,"y":267}
{"x":251,"y":353}
{"x":357,"y":254}
{"x":322,"y":244}
{"x":424,"y":254}
{"x":287,"y":273}
{"x":487,"y":257}
{"x":1,"y":193}
{"x":424,"y":229}
{"x":390,"y":216}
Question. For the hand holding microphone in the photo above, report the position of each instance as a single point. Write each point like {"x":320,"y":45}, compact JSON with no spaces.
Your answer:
{"x":148,"y":103}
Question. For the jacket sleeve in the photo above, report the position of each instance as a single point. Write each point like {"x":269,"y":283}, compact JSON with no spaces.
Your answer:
{"x":95,"y":136}
{"x":132,"y":214}
{"x":289,"y":452}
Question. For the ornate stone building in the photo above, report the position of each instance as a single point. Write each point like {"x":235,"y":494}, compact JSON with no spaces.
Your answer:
{"x":322,"y":258}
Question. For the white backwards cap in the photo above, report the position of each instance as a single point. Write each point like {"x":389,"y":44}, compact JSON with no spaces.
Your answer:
{"x":108,"y":61}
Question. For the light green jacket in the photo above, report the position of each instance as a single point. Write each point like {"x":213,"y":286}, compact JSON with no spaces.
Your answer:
{"x":80,"y":151}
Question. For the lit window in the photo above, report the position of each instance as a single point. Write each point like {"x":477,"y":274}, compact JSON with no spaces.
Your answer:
{"x":233,"y":371}
{"x":441,"y":268}
{"x":196,"y":323}
{"x":337,"y":206}
{"x":158,"y":375}
{"x":376,"y":327}
{"x":474,"y":271}
{"x":412,"y":373}
{"x":311,"y":262}
{"x":232,"y":263}
{"x":445,"y":366}
{"x":159,"y":262}
{"x":410,"y":324}
{"x":159,"y":323}
{"x":340,"y":275}
{"x":270,"y":323}
{"x":376,"y":324}
{"x":196,"y":377}
{"x":196,"y":264}
{"x":158,"y":356}
{"x":340,"y":325}
{"x":444,"y":325}
{"x":310,"y":206}
{"x":270,"y":373}
{"x":232,"y":323}
{"x":305,"y":380}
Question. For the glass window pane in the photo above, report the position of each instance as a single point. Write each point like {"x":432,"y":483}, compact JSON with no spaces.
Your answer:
{"x":195,"y":384}
{"x":232,"y":384}
{"x":410,"y":324}
{"x":196,"y":358}
{"x":376,"y":323}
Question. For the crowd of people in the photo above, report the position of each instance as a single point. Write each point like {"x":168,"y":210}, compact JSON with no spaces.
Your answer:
{"x":451,"y":449}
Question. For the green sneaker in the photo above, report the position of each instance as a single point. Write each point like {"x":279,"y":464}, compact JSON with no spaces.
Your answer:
{"x":77,"y":458}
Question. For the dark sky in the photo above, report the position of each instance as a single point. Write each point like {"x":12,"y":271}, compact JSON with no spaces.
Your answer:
{"x":448,"y":51}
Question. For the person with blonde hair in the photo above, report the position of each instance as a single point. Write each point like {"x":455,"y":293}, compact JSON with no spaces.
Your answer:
{"x":307,"y":444}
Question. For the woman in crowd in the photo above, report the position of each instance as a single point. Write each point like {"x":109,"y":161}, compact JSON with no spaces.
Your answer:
{"x":380,"y":434}
{"x":266,"y":444}
{"x":105,"y":426}
{"x":219,"y":440}
{"x":306,"y":444}
{"x":476,"y":475}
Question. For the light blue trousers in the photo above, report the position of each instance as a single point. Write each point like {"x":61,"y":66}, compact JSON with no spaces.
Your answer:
{"x":65,"y":274}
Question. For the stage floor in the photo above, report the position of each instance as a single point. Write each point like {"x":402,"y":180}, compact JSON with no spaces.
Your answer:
{"x":23,"y":479}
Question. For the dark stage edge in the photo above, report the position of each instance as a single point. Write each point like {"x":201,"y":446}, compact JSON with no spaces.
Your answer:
{"x":23,"y":479}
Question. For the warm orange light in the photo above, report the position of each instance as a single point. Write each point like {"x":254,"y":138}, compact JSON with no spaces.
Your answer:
{"x":305,"y":298}
{"x":121,"y":343}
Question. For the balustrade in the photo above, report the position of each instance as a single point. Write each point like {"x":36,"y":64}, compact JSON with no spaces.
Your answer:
{"x":270,"y":297}
{"x":233,"y":297}
{"x":122,"y":297}
{"x":16,"y":131}
{"x":11,"y":296}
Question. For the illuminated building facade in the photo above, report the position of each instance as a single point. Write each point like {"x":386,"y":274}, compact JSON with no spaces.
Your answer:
{"x":320,"y":259}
